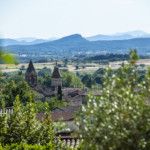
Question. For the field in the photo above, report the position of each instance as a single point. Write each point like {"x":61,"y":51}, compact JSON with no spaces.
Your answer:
{"x":88,"y":67}
{"x":38,"y":66}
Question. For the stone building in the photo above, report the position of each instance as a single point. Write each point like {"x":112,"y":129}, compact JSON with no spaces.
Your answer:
{"x":56,"y":78}
{"x":74,"y":96}
{"x":31,"y":75}
{"x":56,"y":82}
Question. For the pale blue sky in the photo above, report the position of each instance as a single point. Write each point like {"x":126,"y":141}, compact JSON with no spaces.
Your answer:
{"x":57,"y":18}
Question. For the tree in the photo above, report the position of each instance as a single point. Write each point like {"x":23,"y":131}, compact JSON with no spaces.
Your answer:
{"x":71,"y":80}
{"x":22,"y":67}
{"x":65,"y":62}
{"x":22,"y":129}
{"x":119,"y":119}
{"x":3,"y":123}
{"x":16,"y":124}
{"x":133,"y":56}
{"x":32,"y":125}
{"x":44,"y":77}
{"x":44,"y":72}
{"x":47,"y":134}
{"x":87,"y":80}
{"x":59,"y":93}
{"x":77,"y":67}
{"x":98,"y":75}
{"x":16,"y":87}
{"x":7,"y":58}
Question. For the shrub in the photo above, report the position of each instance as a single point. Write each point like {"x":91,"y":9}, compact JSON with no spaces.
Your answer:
{"x":119,"y":119}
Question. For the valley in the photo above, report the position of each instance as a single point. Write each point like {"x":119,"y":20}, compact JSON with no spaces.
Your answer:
{"x":71,"y":67}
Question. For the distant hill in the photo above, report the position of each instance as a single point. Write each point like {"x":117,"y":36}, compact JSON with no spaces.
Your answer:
{"x":6,"y":42}
{"x":23,"y":41}
{"x":120,"y":36}
{"x":76,"y":44}
{"x":101,"y":37}
{"x":72,"y":42}
{"x":26,"y":39}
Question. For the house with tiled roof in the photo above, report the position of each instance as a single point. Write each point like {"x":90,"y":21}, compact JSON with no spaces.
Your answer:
{"x":72,"y":95}
{"x":67,"y":116}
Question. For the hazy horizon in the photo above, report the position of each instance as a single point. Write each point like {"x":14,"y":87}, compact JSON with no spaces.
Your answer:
{"x":58,"y":18}
{"x":58,"y":37}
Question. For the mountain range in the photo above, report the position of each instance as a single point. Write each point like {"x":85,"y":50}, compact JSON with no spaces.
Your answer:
{"x":76,"y":43}
{"x":99,"y":37}
{"x":23,"y":41}
{"x":120,"y":36}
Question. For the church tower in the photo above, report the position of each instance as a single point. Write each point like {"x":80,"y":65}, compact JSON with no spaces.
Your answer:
{"x":31,"y":75}
{"x":56,"y":82}
{"x":56,"y":78}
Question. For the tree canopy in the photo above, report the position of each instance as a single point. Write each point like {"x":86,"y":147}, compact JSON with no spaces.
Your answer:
{"x":119,"y":119}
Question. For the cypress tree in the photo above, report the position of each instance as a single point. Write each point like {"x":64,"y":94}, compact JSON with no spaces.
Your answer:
{"x":32,"y":125}
{"x":16,"y":123}
{"x":47,"y":131}
{"x":3,"y":123}
{"x":59,"y":93}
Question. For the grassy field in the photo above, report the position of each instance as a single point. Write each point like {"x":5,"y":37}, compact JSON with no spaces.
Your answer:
{"x":88,"y":67}
{"x":38,"y":66}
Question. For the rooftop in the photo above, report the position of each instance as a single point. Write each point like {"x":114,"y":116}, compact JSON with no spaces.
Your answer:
{"x":30,"y":67}
{"x":56,"y":73}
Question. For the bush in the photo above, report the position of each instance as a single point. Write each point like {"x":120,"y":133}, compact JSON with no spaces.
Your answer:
{"x":119,"y":119}
{"x":71,"y":80}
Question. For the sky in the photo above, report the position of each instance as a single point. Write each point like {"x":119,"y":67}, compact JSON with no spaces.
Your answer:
{"x":58,"y":18}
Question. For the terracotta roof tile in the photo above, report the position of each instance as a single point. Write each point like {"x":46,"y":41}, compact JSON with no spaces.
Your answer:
{"x":66,"y":114}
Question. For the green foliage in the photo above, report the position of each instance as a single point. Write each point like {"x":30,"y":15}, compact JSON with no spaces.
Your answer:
{"x":24,"y":146}
{"x":97,"y":78}
{"x":14,"y":87}
{"x":71,"y":80}
{"x":106,"y":58}
{"x":22,"y":129}
{"x":119,"y":119}
{"x":46,"y":81}
{"x":55,"y":103}
{"x":49,"y":105}
{"x":44,"y":72}
{"x":133,"y":56}
{"x":44,"y":77}
{"x":91,"y":80}
{"x":6,"y":58}
{"x":99,"y":75}
{"x":48,"y":131}
{"x":3,"y":127}
{"x":65,"y":61}
{"x":87,"y":80}
{"x":42,"y":106}
{"x":16,"y":124}
{"x":32,"y":125}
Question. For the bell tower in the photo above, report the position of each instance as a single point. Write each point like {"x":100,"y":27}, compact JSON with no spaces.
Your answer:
{"x":56,"y":82}
{"x":31,"y":75}
{"x":56,"y":77}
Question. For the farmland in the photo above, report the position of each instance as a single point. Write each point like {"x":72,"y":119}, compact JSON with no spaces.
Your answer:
{"x":85,"y":68}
